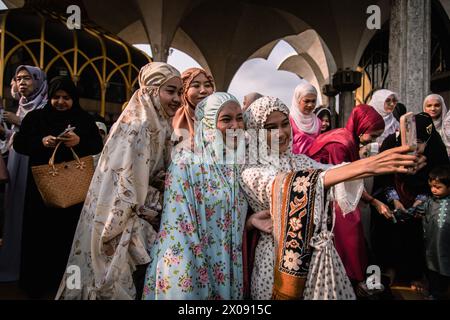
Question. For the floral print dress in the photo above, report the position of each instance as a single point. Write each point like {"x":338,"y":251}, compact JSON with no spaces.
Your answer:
{"x":198,"y":254}
{"x":198,"y":250}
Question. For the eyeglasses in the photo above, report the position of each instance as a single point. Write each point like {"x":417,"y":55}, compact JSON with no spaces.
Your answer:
{"x":394,"y":101}
{"x":26,"y":78}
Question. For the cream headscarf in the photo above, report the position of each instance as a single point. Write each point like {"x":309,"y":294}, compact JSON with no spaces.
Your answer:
{"x":391,"y":124}
{"x":307,"y":123}
{"x":111,"y":238}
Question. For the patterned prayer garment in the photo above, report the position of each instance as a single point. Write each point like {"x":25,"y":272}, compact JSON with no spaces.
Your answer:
{"x":198,"y":251}
{"x":111,"y":237}
{"x":257,"y":181}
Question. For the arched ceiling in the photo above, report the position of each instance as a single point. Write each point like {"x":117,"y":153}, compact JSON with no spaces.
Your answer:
{"x":224,"y":34}
{"x":227,"y":35}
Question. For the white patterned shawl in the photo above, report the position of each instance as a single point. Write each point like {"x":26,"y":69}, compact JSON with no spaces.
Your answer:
{"x":111,"y":239}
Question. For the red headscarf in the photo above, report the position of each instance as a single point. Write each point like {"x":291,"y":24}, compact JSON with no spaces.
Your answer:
{"x":363,"y":119}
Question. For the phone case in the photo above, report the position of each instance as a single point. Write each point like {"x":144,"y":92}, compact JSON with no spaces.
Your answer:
{"x":408,"y":130}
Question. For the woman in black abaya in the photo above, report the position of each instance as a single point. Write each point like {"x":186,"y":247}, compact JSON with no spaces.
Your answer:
{"x":48,"y":232}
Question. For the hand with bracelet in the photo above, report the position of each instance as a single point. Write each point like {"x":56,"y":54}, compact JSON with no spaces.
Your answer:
{"x":49,"y":141}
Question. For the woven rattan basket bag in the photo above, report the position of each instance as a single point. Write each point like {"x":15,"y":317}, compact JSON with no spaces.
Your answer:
{"x":64,"y":184}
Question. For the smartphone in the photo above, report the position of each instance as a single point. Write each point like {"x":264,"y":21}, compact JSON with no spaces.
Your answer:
{"x":408,"y":131}
{"x":69,"y":129}
{"x":373,"y":148}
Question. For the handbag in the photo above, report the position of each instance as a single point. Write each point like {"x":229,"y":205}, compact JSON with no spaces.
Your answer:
{"x":327,"y":278}
{"x":64,"y":184}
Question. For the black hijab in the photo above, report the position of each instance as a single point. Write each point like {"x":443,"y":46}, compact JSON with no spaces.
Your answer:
{"x":62,"y":117}
{"x":49,"y":121}
{"x":399,"y":110}
{"x":426,"y":132}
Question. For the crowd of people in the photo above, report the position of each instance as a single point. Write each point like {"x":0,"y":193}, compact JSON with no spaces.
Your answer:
{"x":197,"y":197}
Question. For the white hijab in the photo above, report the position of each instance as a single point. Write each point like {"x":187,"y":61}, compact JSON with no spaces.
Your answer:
{"x":391,"y":124}
{"x":437,"y":123}
{"x":307,"y":123}
{"x":443,"y":123}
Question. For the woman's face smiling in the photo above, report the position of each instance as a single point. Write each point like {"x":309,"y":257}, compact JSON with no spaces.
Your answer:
{"x":230,"y":118}
{"x":279,"y":130}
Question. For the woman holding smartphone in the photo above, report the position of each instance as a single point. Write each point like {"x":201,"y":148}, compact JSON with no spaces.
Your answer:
{"x":48,"y":232}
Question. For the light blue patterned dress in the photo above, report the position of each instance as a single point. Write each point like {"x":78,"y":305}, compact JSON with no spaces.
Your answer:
{"x":198,"y":251}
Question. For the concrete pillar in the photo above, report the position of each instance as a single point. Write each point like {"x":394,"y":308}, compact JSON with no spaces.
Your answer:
{"x":409,"y":51}
{"x":346,"y":104}
{"x":161,"y":19}
{"x":330,"y":93}
{"x":332,"y":107}
{"x":346,"y":82}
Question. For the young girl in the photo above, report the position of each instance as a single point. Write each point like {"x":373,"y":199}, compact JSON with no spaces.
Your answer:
{"x":324,"y":114}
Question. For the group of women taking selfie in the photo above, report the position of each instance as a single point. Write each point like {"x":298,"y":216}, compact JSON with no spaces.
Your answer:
{"x":166,"y":217}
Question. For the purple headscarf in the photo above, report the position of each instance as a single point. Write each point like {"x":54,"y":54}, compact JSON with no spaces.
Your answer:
{"x":38,"y":98}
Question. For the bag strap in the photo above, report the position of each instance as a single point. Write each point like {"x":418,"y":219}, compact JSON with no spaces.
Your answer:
{"x":324,"y":217}
{"x":51,"y":161}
